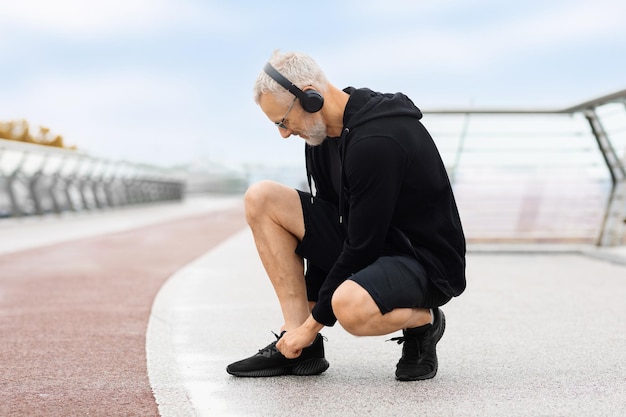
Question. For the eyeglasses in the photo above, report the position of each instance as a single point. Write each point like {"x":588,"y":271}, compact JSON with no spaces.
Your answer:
{"x":281,"y":124}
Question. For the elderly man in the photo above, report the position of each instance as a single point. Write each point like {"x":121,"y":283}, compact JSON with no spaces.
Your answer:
{"x":381,"y":237}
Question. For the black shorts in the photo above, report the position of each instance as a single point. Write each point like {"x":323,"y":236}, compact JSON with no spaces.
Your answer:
{"x":392,"y":281}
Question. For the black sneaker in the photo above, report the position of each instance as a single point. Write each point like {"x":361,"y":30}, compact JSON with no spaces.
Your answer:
{"x":419,"y":353}
{"x":270,"y":362}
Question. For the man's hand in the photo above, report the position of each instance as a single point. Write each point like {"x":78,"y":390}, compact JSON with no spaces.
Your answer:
{"x":293,"y":341}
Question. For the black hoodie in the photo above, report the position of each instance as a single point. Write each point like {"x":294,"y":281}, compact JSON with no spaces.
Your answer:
{"x":393,"y":195}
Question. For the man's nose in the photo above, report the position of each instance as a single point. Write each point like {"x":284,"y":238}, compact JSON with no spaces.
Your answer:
{"x":285,"y":133}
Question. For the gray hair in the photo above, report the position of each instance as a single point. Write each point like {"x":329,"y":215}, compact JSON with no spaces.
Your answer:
{"x":298,"y":68}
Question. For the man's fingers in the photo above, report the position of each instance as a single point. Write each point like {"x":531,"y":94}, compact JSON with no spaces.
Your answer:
{"x":292,"y":354}
{"x":286,"y":351}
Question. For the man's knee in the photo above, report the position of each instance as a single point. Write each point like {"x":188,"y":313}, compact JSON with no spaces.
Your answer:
{"x":257,"y":198}
{"x":277,"y":203}
{"x":354,"y":307}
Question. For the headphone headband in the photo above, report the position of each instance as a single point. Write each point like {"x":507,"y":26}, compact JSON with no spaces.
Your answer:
{"x":311,"y":100}
{"x":282,"y":80}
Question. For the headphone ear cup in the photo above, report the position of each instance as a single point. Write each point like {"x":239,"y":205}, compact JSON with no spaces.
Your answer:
{"x":312,"y":101}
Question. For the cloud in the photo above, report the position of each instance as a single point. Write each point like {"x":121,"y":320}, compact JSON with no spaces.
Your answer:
{"x":566,"y":25}
{"x":115,"y":113}
{"x":376,"y":8}
{"x":76,"y":16}
{"x":148,"y":117}
{"x":110,"y":18}
{"x":477,"y":46}
{"x":168,"y":80}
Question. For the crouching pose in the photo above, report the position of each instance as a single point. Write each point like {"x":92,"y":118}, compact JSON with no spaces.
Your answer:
{"x":378,"y":246}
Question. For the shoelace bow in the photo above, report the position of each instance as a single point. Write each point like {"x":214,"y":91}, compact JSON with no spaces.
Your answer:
{"x":400,"y":340}
{"x":407,"y":352}
{"x":271,"y":346}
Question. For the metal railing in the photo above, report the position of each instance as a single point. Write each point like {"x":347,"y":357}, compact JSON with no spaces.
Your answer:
{"x":538,"y":174}
{"x":38,"y":179}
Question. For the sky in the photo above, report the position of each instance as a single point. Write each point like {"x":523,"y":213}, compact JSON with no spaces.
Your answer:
{"x":169,"y":82}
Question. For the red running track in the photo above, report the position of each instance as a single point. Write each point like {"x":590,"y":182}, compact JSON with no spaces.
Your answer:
{"x":73,"y":316}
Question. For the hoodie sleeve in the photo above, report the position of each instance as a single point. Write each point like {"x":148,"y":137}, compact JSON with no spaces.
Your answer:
{"x":374,"y":168}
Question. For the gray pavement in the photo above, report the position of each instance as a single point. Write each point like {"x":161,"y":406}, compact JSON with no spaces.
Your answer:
{"x":539,"y":332}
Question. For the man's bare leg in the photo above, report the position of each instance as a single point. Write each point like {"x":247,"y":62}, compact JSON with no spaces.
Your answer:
{"x":358,"y":313}
{"x":274,"y":214}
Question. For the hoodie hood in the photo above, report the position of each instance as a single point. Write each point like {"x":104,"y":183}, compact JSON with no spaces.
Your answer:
{"x":365,"y":105}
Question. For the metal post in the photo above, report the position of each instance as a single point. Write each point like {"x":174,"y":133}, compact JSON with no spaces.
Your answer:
{"x":35,"y":189}
{"x":611,"y":232}
{"x":15,"y":205}
{"x":4,"y":188}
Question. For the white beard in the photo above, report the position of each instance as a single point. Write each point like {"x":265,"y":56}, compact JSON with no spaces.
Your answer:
{"x":315,"y":132}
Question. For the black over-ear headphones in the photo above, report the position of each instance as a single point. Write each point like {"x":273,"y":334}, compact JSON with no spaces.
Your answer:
{"x":310,"y":100}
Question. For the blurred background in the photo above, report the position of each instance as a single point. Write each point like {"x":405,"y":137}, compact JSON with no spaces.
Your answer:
{"x":156,"y":96}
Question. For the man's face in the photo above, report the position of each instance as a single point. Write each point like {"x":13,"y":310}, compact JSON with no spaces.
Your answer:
{"x":293,"y":120}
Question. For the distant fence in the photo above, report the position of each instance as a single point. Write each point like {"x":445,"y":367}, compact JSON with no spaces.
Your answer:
{"x":37,"y":179}
{"x":538,"y":175}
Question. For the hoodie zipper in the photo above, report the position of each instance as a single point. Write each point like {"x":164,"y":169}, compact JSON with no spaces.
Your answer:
{"x":344,"y":136}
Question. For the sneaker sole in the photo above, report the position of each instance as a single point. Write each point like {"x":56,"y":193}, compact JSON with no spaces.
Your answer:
{"x":432,"y":374}
{"x":417,"y":378}
{"x":305,"y":368}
